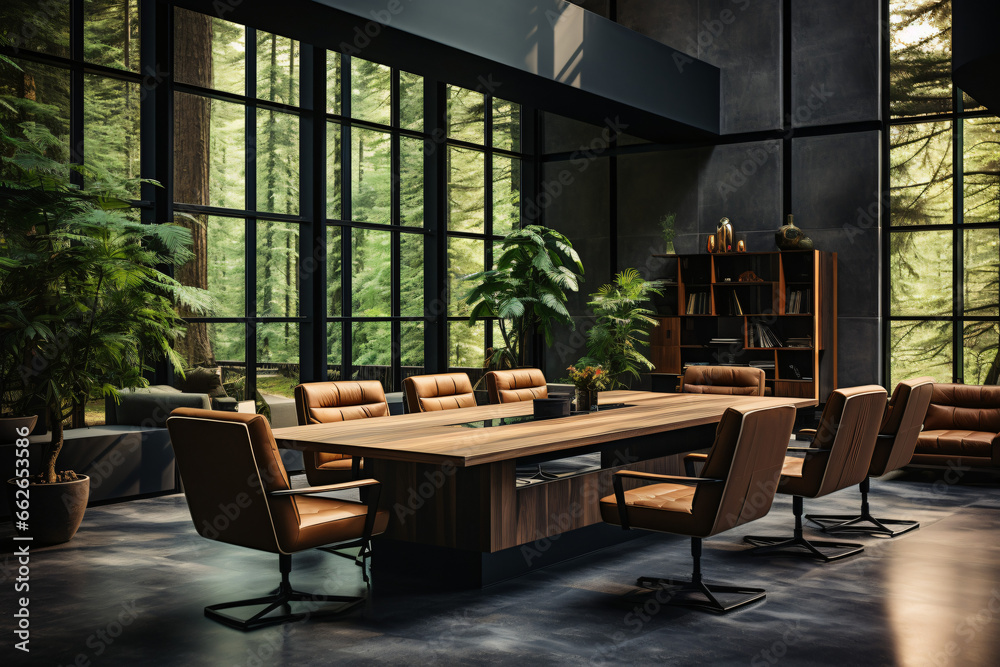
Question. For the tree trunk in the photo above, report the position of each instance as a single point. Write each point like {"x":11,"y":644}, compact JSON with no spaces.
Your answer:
{"x":51,"y":452}
{"x":192,"y":118}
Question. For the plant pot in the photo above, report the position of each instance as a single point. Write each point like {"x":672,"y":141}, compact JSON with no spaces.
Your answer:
{"x":586,"y":400}
{"x":55,"y":511}
{"x":9,"y":427}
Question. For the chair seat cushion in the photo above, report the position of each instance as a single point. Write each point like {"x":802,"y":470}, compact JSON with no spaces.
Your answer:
{"x":956,"y":443}
{"x":792,"y":466}
{"x":328,"y":520}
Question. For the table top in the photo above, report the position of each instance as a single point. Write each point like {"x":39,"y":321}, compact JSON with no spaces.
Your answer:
{"x":435,"y":437}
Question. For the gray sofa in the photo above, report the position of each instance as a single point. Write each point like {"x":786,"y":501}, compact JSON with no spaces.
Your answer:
{"x":152,"y":405}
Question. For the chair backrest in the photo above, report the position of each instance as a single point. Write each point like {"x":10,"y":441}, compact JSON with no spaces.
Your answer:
{"x":445,"y":391}
{"x":522,"y":384}
{"x":228,"y":461}
{"x":966,"y":407}
{"x":733,"y":380}
{"x":847,"y":432}
{"x":901,"y":425}
{"x":325,"y":402}
{"x":748,"y":453}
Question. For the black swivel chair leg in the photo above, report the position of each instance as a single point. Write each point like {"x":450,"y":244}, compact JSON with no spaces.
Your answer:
{"x":281,"y":598}
{"x":798,"y":545}
{"x":696,"y":593}
{"x":835,"y":523}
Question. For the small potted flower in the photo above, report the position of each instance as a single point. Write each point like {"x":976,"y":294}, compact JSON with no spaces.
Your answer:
{"x":588,"y":380}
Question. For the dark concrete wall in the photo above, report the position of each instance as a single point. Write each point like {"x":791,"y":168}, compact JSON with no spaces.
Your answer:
{"x":830,"y":174}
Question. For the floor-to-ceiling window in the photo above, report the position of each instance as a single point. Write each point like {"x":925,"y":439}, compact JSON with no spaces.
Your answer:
{"x":304,"y":175}
{"x":944,"y":209}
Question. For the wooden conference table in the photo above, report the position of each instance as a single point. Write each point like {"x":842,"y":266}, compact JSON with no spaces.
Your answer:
{"x":452,"y":491}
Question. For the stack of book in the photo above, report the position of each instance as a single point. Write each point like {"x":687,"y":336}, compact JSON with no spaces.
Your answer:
{"x":797,"y":302}
{"x":735,"y":308}
{"x":698,"y":303}
{"x":760,"y":335}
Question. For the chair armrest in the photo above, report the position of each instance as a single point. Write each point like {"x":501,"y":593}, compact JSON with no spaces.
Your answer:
{"x":696,"y":457}
{"x":804,"y":449}
{"x":690,"y":460}
{"x":635,"y":474}
{"x":323,"y":489}
{"x":807,"y":431}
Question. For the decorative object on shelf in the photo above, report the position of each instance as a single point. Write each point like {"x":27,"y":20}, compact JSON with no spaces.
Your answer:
{"x":667,"y":226}
{"x":741,"y":246}
{"x":710,"y":246}
{"x":589,"y":381}
{"x":724,"y":236}
{"x":790,"y":237}
{"x":750,"y":277}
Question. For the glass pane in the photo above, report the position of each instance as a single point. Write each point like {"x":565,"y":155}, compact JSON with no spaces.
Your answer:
{"x":466,"y":345}
{"x":411,"y":182}
{"x":111,"y":128}
{"x":411,"y":101}
{"x":506,"y":125}
{"x":411,"y":275}
{"x":411,"y":348}
{"x":334,"y":271}
{"x":920,"y":57}
{"x":111,"y":33}
{"x":277,"y":269}
{"x":277,"y":358}
{"x":333,"y":81}
{"x":981,"y":356}
{"x":209,"y":52}
{"x":219,"y":264}
{"x":334,"y":331}
{"x":209,"y":152}
{"x":277,"y":162}
{"x":371,"y":273}
{"x":28,"y":27}
{"x":371,"y":176}
{"x":920,"y":174}
{"x":465,"y":256}
{"x":466,"y":114}
{"x":39,"y":94}
{"x":982,"y":170}
{"x":506,"y":194}
{"x":334,"y":177}
{"x":371,"y":91}
{"x":920,"y":348}
{"x":211,"y":345}
{"x":982,"y":270}
{"x":466,"y":190}
{"x":278,"y":68}
{"x":371,"y":345}
{"x":920,"y":265}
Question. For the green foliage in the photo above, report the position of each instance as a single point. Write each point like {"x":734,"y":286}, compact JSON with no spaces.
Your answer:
{"x":526,"y":291}
{"x":623,"y":322}
{"x":83,"y":308}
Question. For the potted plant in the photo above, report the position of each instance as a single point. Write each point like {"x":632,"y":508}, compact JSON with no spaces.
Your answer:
{"x":589,"y":381}
{"x":526,"y":292}
{"x":83,"y":307}
{"x":622,"y":326}
{"x":667,"y":227}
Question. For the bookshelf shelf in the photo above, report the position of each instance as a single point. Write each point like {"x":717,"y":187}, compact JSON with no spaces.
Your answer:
{"x":700,"y":305}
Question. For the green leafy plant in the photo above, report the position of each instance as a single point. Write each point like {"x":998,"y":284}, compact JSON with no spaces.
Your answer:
{"x":84,"y":309}
{"x":667,"y":227}
{"x":622,"y":326}
{"x":589,"y":378}
{"x":526,"y":291}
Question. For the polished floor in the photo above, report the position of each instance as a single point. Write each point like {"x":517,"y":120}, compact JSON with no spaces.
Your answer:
{"x":130,"y":587}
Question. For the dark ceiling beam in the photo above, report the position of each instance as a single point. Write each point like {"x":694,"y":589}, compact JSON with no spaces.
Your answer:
{"x":975,"y":61}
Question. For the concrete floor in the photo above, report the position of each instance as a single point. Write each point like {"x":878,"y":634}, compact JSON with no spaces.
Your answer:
{"x":130,"y":587}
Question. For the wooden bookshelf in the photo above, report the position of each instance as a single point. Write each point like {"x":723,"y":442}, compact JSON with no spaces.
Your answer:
{"x":785,"y":323}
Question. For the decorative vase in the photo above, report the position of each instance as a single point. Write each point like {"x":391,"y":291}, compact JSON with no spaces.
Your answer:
{"x":790,"y":237}
{"x":724,"y":236}
{"x":56,"y":510}
{"x":710,"y":246}
{"x":9,"y":427}
{"x":586,"y":400}
{"x":741,"y":246}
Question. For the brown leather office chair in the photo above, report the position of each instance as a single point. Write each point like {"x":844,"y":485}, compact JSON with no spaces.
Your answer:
{"x":325,"y":402}
{"x":445,"y":391}
{"x":522,"y":384}
{"x":238,"y":492}
{"x":731,"y":380}
{"x":839,"y":457}
{"x":897,"y":438}
{"x":737,"y":486}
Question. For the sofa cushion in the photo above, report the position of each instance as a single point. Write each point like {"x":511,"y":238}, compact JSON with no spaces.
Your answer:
{"x":202,"y":381}
{"x":956,"y":442}
{"x":964,"y":407}
{"x":151,"y":408}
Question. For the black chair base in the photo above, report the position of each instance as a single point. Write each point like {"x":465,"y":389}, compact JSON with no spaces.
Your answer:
{"x":835,"y":523}
{"x":704,"y":596}
{"x":810,"y":548}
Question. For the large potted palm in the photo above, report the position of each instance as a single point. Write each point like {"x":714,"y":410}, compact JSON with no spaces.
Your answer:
{"x":526,"y":292}
{"x":84,"y":309}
